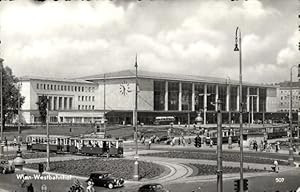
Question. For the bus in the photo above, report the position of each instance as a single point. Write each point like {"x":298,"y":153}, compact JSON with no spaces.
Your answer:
{"x":164,"y":120}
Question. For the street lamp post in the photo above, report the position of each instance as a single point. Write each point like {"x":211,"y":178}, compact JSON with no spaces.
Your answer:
{"x":291,"y":152}
{"x":229,"y":111}
{"x":1,"y":97}
{"x":136,"y":163}
{"x":219,"y":148}
{"x":48,"y":138}
{"x":238,"y":47}
{"x":19,"y":114}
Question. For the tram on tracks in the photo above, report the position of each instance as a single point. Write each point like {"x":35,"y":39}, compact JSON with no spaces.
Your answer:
{"x":82,"y":145}
{"x":271,"y":132}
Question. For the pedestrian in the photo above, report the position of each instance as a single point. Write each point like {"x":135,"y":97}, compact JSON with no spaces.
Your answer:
{"x":211,"y":143}
{"x":15,"y":141}
{"x":30,"y":188}
{"x":276,"y":147}
{"x":276,"y":168}
{"x":90,"y":187}
{"x":149,"y":144}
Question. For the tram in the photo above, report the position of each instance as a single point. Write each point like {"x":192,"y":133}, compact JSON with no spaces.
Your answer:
{"x":84,"y":145}
{"x":272,"y":132}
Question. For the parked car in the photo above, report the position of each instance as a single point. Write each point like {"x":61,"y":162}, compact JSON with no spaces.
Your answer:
{"x":6,"y":167}
{"x":104,"y":179}
{"x":153,"y":187}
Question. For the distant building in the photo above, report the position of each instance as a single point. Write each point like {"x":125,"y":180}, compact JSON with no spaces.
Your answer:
{"x":284,"y":96}
{"x":159,"y":94}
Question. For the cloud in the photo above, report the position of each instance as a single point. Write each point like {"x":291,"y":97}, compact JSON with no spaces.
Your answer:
{"x":190,"y":37}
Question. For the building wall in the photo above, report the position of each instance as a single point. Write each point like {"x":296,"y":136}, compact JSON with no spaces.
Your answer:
{"x":284,"y":99}
{"x":117,"y":99}
{"x":272,"y":101}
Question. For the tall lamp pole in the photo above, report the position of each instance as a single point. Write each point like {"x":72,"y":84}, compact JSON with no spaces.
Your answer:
{"x":291,"y":152}
{"x":48,"y":138}
{"x":1,"y":97}
{"x":136,"y":163}
{"x":229,"y":109}
{"x":219,"y":148}
{"x":19,"y":114}
{"x":238,"y":47}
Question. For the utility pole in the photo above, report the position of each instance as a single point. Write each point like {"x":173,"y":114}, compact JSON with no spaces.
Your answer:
{"x":291,"y":152}
{"x":1,"y":96}
{"x":48,"y":138}
{"x":136,"y":163}
{"x":104,"y":104}
{"x":238,"y":47}
{"x":219,"y":148}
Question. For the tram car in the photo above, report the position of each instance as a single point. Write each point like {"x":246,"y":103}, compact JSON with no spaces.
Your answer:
{"x":271,"y":132}
{"x":97,"y":146}
{"x":85,"y":145}
{"x":213,"y":135}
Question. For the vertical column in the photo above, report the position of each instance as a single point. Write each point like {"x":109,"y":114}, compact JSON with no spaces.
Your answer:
{"x":57,"y":103}
{"x":257,"y":100}
{"x":205,"y":104}
{"x":166,"y":96}
{"x":248,"y":99}
{"x":180,"y":97}
{"x":193,"y":97}
{"x":63,"y":103}
{"x":217,"y":97}
{"x":238,"y":99}
{"x":228,"y":98}
{"x":52,"y":103}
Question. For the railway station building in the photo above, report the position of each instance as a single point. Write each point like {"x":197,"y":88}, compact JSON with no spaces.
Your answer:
{"x":85,"y":99}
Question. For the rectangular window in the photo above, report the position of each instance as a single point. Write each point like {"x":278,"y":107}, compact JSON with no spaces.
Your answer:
{"x":82,"y":89}
{"x":44,"y":86}
{"x":37,"y":86}
{"x":93,"y":98}
{"x":75,"y":88}
{"x":47,"y":86}
{"x":86,"y":98}
{"x":79,"y":98}
{"x":51,"y":87}
{"x":68,"y":87}
{"x":70,"y":102}
{"x":78,"y":107}
{"x":173,"y":95}
{"x":54,"y":87}
{"x":62,"y":87}
{"x":72,"y":88}
{"x":93,"y":107}
{"x":159,"y":95}
{"x":82,"y":98}
{"x":89,"y":98}
{"x":186,"y":99}
{"x":60,"y":103}
{"x":211,"y":97}
{"x":89,"y":89}
{"x":65,"y":88}
{"x":199,"y":97}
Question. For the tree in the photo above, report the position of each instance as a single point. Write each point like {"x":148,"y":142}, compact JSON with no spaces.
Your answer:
{"x":42,"y":105}
{"x":10,"y":95}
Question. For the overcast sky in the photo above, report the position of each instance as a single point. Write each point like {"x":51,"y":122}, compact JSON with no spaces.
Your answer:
{"x":79,"y":38}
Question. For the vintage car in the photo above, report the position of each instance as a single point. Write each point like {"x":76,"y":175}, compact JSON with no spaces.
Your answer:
{"x":6,"y":167}
{"x":153,"y":187}
{"x":102,"y":178}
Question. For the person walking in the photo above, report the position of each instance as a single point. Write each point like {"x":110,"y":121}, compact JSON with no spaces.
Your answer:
{"x":90,"y":187}
{"x":30,"y":188}
{"x":276,"y":167}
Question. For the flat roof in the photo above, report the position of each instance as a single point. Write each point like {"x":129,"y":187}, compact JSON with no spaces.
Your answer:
{"x":29,"y":78}
{"x":168,"y":76}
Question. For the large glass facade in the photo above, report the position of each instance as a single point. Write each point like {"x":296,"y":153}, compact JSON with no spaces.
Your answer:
{"x":199,"y":97}
{"x":262,"y":99}
{"x":159,"y":95}
{"x":173,"y":95}
{"x":186,"y":98}
{"x":252,"y":99}
{"x":244,"y":98}
{"x":222,"y":92}
{"x":211,"y":97}
{"x":233,"y":98}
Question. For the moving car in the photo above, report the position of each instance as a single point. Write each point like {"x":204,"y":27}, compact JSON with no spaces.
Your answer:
{"x":153,"y":187}
{"x":6,"y":167}
{"x":104,"y":179}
